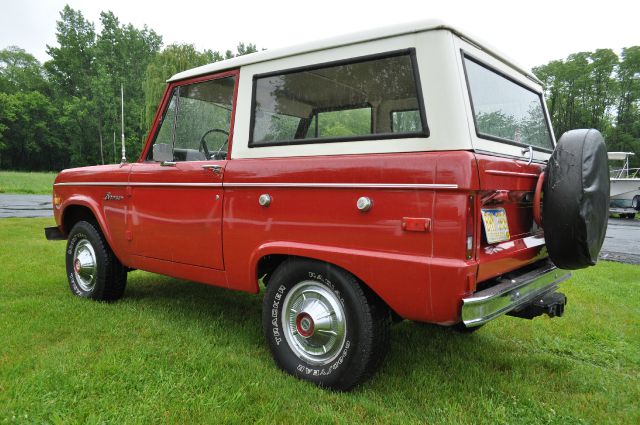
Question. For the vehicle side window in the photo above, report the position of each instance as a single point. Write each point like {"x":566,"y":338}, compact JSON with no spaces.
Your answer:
{"x":197,"y":120}
{"x":505,"y":110}
{"x":340,"y":101}
{"x":165,"y":133}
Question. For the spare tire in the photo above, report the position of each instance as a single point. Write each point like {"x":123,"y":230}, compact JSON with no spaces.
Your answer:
{"x":635,"y":203}
{"x":576,"y":199}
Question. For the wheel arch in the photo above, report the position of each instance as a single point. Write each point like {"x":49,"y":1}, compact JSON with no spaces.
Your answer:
{"x":267,"y":259}
{"x":75,"y":213}
{"x":78,"y":209}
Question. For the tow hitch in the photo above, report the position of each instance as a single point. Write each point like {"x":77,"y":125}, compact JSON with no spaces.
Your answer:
{"x":551,"y":304}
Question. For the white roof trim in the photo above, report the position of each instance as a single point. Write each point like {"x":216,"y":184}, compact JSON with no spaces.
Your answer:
{"x":344,"y":40}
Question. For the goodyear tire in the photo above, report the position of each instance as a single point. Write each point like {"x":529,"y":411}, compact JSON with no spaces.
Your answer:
{"x":93,"y":270}
{"x":576,"y":199}
{"x":322,"y":325}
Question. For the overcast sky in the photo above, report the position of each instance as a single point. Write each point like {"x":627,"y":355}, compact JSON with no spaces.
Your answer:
{"x":531,"y":32}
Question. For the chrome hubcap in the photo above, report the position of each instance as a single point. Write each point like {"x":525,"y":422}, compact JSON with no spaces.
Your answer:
{"x":84,"y":265}
{"x":314,"y":322}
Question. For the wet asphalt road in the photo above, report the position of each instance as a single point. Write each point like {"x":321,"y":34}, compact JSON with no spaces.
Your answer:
{"x":25,"y":206}
{"x":622,"y":242}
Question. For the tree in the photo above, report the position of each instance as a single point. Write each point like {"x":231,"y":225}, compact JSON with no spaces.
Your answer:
{"x":603,"y":87}
{"x":60,"y":114}
{"x":625,"y":135}
{"x":627,"y":117}
{"x":29,"y":140}
{"x":72,"y":65}
{"x":28,"y":131}
{"x":20,"y":71}
{"x":123,"y":53}
{"x":596,"y":90}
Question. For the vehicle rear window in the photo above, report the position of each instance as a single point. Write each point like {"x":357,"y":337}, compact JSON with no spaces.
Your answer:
{"x":339,"y":101}
{"x":505,"y":110}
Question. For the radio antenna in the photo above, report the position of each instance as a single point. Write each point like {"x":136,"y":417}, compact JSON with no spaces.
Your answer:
{"x":124,"y":156}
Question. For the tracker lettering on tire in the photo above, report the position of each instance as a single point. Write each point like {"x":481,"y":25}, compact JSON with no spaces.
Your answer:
{"x":366,"y":325}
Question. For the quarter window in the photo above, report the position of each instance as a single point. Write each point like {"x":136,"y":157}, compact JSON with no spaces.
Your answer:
{"x":505,"y":110}
{"x":340,"y":101}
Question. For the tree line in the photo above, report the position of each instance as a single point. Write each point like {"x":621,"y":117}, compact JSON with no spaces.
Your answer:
{"x":596,"y":90}
{"x":66,"y":112}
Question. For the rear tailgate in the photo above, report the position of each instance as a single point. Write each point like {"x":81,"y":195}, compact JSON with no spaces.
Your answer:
{"x":506,"y":191}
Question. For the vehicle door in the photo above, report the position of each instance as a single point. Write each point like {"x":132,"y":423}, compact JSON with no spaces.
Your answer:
{"x":177,"y":196}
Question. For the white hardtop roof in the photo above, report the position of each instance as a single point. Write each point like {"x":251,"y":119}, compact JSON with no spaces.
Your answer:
{"x":344,"y":40}
{"x":619,"y":156}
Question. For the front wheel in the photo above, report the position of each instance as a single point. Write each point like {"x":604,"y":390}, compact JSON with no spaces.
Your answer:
{"x":322,"y":325}
{"x":93,"y":270}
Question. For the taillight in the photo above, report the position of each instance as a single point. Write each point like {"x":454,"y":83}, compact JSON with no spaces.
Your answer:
{"x":471,"y":214}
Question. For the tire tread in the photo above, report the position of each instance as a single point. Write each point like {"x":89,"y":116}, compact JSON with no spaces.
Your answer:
{"x":114,"y":280}
{"x":374,"y":318}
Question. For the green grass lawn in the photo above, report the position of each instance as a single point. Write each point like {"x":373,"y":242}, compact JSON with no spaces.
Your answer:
{"x":177,"y":352}
{"x":26,"y":182}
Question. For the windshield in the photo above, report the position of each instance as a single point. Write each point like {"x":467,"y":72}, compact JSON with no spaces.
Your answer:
{"x":505,"y":110}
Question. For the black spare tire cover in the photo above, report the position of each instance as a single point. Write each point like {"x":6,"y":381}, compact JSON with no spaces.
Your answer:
{"x":576,"y":199}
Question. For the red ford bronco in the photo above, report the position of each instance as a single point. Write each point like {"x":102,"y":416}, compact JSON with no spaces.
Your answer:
{"x":403,"y":173}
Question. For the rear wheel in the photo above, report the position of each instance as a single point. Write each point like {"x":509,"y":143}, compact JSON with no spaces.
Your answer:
{"x":93,"y":270}
{"x":322,"y":325}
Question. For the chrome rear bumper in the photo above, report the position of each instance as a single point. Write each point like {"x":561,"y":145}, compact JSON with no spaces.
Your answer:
{"x":511,"y":292}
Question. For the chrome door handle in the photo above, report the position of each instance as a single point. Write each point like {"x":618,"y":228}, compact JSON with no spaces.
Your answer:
{"x":168,"y":164}
{"x":213,"y":167}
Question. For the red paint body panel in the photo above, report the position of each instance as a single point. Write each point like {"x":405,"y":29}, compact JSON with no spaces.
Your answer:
{"x":111,"y":215}
{"x":518,"y":179}
{"x":182,"y":224}
{"x":324,"y":223}
{"x":181,"y":230}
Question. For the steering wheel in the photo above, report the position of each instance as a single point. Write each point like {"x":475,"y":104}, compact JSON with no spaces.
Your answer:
{"x":203,"y":144}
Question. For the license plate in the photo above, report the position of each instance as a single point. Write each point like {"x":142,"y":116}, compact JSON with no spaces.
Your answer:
{"x":496,"y":226}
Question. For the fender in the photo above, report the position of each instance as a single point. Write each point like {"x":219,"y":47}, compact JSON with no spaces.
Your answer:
{"x":90,"y":203}
{"x":398,"y":279}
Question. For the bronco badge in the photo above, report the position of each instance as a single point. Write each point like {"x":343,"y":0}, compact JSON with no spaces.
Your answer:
{"x":110,"y":197}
